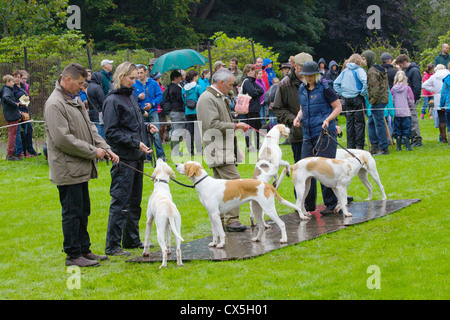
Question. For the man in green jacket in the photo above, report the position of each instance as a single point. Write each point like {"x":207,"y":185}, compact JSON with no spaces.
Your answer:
{"x":107,"y":75}
{"x":73,"y":146}
{"x":218,"y":134}
{"x":444,"y":56}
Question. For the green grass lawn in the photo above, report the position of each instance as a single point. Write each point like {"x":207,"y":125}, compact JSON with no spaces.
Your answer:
{"x":410,"y":246}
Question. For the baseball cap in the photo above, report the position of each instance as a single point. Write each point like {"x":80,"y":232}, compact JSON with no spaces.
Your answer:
{"x":106,"y":62}
{"x":219,"y":63}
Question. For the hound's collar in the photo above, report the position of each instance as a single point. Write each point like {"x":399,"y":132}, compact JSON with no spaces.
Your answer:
{"x":160,"y":180}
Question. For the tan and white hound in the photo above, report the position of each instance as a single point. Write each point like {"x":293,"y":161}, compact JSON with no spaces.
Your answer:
{"x":270,"y":159}
{"x":363,"y":172}
{"x":220,"y":196}
{"x":333,"y":173}
{"x":165,"y":213}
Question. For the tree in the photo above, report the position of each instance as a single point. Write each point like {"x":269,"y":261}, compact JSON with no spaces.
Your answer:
{"x":135,"y":24}
{"x":288,"y":26}
{"x":346,"y":25}
{"x":32,"y":17}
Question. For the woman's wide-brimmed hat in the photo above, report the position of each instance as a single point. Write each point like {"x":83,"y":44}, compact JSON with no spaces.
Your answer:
{"x":310,"y":68}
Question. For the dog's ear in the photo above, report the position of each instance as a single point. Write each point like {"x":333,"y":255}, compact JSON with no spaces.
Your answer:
{"x":170,"y":172}
{"x":155,"y":173}
{"x":191,"y":169}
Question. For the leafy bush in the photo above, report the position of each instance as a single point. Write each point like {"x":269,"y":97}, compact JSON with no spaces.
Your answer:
{"x":225,"y":48}
{"x":427,"y":56}
{"x":43,"y":46}
{"x":379,"y":46}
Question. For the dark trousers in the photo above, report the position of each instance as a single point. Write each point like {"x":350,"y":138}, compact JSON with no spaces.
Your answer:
{"x":297,"y":151}
{"x":402,"y":127}
{"x":255,"y":123}
{"x":125,"y":208}
{"x":76,"y":208}
{"x":326,"y":148}
{"x":355,"y":122}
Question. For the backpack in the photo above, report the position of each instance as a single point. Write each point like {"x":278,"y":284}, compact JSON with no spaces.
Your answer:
{"x":359,"y":84}
{"x":166,"y":105}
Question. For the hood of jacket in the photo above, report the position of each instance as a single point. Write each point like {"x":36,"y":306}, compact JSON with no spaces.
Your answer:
{"x":266,"y":62}
{"x":322,"y":60}
{"x":379,"y":68}
{"x":97,"y":78}
{"x":190,"y":85}
{"x":333,"y":63}
{"x":2,"y":89}
{"x":441,"y":74}
{"x":447,"y":80}
{"x":400,"y":88}
{"x":122,"y":90}
{"x":370,"y":58}
{"x":352,"y":66}
{"x":412,"y":66}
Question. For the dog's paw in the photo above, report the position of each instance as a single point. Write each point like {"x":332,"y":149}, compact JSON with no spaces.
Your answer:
{"x":212,"y":244}
{"x":283,"y":241}
{"x":255,"y":239}
{"x":348,"y":214}
{"x":146,"y":254}
{"x":305,"y":216}
{"x":267,"y":226}
{"x":220,"y":245}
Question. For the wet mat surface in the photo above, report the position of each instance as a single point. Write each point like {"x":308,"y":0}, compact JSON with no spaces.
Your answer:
{"x":239,"y":245}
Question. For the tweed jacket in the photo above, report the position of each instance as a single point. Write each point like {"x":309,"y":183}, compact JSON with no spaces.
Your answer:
{"x":72,"y":139}
{"x":219,"y":139}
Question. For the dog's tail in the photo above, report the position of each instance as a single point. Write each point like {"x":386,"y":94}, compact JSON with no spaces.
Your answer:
{"x":174,"y":230}
{"x":280,"y":179}
{"x":288,"y":204}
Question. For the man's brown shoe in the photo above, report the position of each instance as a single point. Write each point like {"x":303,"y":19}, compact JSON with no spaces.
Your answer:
{"x":92,"y":256}
{"x":235,"y":227}
{"x":81,"y":262}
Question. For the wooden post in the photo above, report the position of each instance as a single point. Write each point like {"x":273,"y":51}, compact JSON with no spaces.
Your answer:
{"x":89,"y":57}
{"x":25,"y":58}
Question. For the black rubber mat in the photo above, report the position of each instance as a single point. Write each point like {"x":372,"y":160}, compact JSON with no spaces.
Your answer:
{"x":239,"y":245}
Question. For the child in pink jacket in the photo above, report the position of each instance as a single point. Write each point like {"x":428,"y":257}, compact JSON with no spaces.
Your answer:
{"x":403,"y":99}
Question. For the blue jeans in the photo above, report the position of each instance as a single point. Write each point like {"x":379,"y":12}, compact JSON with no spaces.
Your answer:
{"x":377,"y":128}
{"x":100,"y":129}
{"x":274,"y":121}
{"x":426,"y":103}
{"x":153,"y":118}
{"x":27,"y":144}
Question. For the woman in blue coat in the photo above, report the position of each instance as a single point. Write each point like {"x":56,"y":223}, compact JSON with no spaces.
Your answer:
{"x":319,"y":106}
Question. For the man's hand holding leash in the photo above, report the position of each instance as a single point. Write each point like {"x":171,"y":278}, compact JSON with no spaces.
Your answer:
{"x":103,"y":154}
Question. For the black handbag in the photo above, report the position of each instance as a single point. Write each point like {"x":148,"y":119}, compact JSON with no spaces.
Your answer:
{"x":191,"y":104}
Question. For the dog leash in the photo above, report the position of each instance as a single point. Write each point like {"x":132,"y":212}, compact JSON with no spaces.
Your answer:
{"x":325,"y":132}
{"x":137,"y":170}
{"x":188,"y":186}
{"x":159,"y":180}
